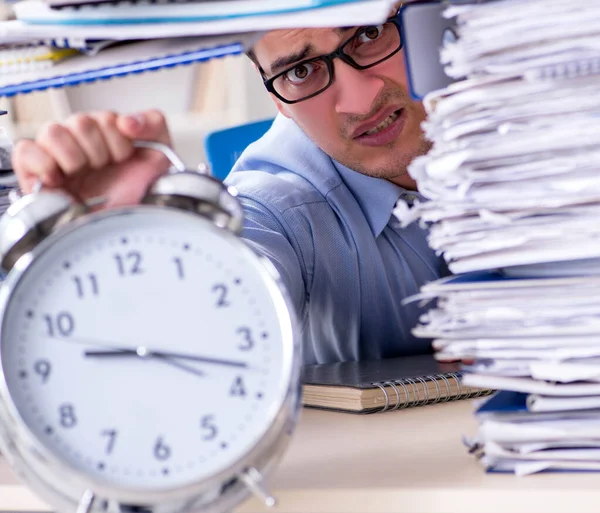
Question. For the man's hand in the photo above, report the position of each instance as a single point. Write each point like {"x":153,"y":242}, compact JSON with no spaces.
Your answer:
{"x":93,"y":155}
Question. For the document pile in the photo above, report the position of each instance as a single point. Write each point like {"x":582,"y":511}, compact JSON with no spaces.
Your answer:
{"x":513,"y":180}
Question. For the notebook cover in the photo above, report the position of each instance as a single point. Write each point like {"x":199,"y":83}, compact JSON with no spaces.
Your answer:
{"x":364,"y":374}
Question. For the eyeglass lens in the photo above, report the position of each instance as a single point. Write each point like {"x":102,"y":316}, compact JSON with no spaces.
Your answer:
{"x":371,"y":45}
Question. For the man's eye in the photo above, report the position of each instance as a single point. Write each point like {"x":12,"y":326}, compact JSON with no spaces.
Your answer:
{"x":371,"y":34}
{"x":300,"y":73}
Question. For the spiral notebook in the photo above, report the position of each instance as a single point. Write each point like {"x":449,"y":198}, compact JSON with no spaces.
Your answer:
{"x":384,"y":385}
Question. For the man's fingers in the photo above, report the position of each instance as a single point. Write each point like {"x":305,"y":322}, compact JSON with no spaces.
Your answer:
{"x":61,"y":145}
{"x":147,"y":126}
{"x":119,"y":146}
{"x":93,"y":154}
{"x":31,"y":163}
{"x":90,"y":139}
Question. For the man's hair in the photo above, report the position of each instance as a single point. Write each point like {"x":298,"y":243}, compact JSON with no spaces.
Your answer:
{"x":252,"y":56}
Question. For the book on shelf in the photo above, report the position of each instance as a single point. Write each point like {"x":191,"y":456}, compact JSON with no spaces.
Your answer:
{"x":384,"y":385}
{"x":38,"y":11}
{"x":160,"y":44}
{"x":350,"y":14}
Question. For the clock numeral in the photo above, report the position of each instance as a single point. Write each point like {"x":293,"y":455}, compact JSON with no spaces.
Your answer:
{"x":179,"y":266}
{"x":221,"y":291}
{"x":238,"y":389}
{"x":247,"y":339}
{"x":162,"y":451}
{"x":128,"y":264}
{"x":67,"y":415}
{"x":63,"y":324}
{"x":43,"y":368}
{"x":207,"y":423}
{"x":111,"y":434}
{"x":80,"y":285}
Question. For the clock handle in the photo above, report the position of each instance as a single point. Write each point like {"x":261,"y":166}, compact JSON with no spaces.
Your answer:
{"x":194,"y":191}
{"x":167,"y":151}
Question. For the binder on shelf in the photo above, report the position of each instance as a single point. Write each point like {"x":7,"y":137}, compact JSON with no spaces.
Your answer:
{"x":113,"y":62}
{"x":21,"y":58}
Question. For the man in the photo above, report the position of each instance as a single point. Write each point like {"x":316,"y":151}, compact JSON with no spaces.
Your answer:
{"x":318,"y":190}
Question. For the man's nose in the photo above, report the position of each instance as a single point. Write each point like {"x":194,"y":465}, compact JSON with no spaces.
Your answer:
{"x":357,"y":89}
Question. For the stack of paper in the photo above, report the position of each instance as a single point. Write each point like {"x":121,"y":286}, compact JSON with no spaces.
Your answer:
{"x":537,"y":340}
{"x":514,"y":185}
{"x":178,"y":29}
{"x":513,"y":175}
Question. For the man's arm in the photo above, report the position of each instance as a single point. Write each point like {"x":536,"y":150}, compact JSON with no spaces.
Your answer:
{"x":265,"y":233}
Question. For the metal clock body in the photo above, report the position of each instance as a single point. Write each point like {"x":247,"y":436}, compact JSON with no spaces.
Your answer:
{"x":149,"y":359}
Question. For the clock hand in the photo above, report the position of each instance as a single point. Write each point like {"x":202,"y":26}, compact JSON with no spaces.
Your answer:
{"x":142,"y":351}
{"x":182,"y":366}
{"x":168,"y":361}
{"x":145,"y":353}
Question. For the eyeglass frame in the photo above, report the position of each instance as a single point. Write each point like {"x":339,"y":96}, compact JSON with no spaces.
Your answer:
{"x":329,"y":58}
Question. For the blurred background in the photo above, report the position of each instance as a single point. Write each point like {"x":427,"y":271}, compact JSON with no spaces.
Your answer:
{"x":197,"y":99}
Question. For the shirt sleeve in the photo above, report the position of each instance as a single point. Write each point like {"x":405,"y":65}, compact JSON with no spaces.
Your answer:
{"x":265,"y":233}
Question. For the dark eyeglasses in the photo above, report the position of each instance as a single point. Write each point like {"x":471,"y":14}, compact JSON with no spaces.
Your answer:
{"x":368,"y":47}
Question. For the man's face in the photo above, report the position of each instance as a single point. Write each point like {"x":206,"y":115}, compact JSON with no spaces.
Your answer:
{"x":366,"y":119}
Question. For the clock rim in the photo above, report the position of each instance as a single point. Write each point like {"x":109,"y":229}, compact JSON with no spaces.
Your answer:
{"x":63,"y":484}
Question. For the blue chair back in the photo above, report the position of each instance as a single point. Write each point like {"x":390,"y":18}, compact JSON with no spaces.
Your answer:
{"x":224,"y":147}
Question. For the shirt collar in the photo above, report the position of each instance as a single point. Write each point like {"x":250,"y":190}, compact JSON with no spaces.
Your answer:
{"x":286,"y":147}
{"x":377,"y":197}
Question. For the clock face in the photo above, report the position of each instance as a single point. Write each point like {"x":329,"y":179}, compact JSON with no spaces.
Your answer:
{"x":147,"y":349}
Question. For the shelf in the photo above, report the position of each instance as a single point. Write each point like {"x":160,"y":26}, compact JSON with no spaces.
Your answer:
{"x":358,"y":12}
{"x":165,"y":45}
{"x":122,"y":60}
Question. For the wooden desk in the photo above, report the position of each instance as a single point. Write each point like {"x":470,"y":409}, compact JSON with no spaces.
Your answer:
{"x":409,"y":461}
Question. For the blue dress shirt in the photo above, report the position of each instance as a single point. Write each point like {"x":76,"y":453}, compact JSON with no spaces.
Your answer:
{"x":344,"y":259}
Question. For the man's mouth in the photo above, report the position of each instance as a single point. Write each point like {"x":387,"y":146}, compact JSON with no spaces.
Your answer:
{"x":383,"y":129}
{"x":384,"y":124}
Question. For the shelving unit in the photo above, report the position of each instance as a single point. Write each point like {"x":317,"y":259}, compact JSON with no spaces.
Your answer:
{"x":57,"y":91}
{"x":81,"y":84}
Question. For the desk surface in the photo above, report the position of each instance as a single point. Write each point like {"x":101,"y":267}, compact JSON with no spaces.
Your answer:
{"x":411,"y":461}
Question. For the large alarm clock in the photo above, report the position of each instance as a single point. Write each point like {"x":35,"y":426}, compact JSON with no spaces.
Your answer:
{"x":149,"y":358}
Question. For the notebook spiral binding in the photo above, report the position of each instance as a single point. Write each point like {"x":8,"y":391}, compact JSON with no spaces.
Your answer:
{"x":413,"y":387}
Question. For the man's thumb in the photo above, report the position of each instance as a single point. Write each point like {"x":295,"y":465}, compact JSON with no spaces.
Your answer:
{"x":147,"y":126}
